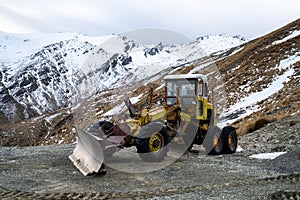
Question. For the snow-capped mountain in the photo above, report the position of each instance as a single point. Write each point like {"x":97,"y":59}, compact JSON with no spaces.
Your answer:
{"x":257,"y":81}
{"x":40,"y":73}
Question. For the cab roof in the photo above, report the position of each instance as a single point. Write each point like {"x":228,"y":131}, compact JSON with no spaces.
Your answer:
{"x":185,"y":76}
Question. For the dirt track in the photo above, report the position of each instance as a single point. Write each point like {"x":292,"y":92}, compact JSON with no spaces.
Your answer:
{"x":47,"y":173}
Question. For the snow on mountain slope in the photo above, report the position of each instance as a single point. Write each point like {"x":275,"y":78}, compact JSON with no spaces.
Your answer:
{"x":14,"y":47}
{"x":37,"y":74}
{"x":206,"y":45}
{"x":215,"y":43}
{"x":262,"y":78}
{"x":248,"y":104}
{"x":40,"y":73}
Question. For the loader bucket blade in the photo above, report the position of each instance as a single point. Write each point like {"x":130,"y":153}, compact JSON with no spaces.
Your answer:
{"x":88,"y":154}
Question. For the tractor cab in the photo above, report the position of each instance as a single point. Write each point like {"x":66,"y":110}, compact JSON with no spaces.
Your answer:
{"x":190,"y":93}
{"x":186,"y":87}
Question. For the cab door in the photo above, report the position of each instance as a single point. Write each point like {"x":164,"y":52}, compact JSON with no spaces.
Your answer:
{"x":202,"y":100}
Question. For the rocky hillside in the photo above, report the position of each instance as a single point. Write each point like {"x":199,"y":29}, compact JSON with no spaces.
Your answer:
{"x":262,"y":78}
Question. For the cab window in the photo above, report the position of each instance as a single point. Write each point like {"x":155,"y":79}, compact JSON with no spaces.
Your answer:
{"x":200,"y":88}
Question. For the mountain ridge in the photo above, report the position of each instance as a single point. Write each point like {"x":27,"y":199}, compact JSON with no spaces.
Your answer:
{"x":62,"y":73}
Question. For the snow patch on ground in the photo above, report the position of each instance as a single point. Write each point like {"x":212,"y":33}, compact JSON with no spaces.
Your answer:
{"x":160,"y":87}
{"x":247,"y":105}
{"x":259,"y":96}
{"x":292,"y":35}
{"x":239,"y":149}
{"x":236,"y":51}
{"x":202,"y":66}
{"x":134,"y":100}
{"x":267,"y":156}
{"x":50,"y":118}
{"x":116,"y":110}
{"x":286,"y":63}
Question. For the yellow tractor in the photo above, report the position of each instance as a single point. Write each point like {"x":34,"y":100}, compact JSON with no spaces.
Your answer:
{"x":185,"y":115}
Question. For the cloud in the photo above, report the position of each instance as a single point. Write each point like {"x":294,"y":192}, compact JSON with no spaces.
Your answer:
{"x":193,"y":18}
{"x":155,"y":35}
{"x":17,"y":20}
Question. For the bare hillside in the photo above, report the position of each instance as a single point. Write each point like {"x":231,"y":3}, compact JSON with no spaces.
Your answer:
{"x":260,"y":65}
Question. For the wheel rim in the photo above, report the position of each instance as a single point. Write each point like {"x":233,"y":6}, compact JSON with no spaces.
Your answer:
{"x":156,"y":142}
{"x":231,"y":141}
{"x":217,"y":143}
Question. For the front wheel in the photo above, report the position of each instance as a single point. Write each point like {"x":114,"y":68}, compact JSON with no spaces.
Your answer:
{"x":103,"y":129}
{"x":152,"y":142}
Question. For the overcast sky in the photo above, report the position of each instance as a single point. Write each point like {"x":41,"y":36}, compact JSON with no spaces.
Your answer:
{"x":192,"y":18}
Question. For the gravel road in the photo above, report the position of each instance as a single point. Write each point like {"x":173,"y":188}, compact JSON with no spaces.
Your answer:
{"x":45,"y":172}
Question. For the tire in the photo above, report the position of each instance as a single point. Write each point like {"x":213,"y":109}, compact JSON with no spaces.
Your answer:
{"x":106,"y":127}
{"x":213,"y":142}
{"x":152,"y":142}
{"x":102,"y":129}
{"x":230,"y":140}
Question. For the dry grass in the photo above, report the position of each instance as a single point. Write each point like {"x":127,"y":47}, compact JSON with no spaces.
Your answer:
{"x":248,"y":126}
{"x":255,"y":65}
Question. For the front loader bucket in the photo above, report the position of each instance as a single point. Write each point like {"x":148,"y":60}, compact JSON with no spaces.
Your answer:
{"x":88,"y":154}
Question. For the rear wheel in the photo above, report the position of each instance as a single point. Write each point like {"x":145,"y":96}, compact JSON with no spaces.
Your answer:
{"x":230,"y":140}
{"x":152,"y":142}
{"x":213,"y":142}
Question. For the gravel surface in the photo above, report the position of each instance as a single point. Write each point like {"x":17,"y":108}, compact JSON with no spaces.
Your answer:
{"x":274,"y":137}
{"x":45,"y":172}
